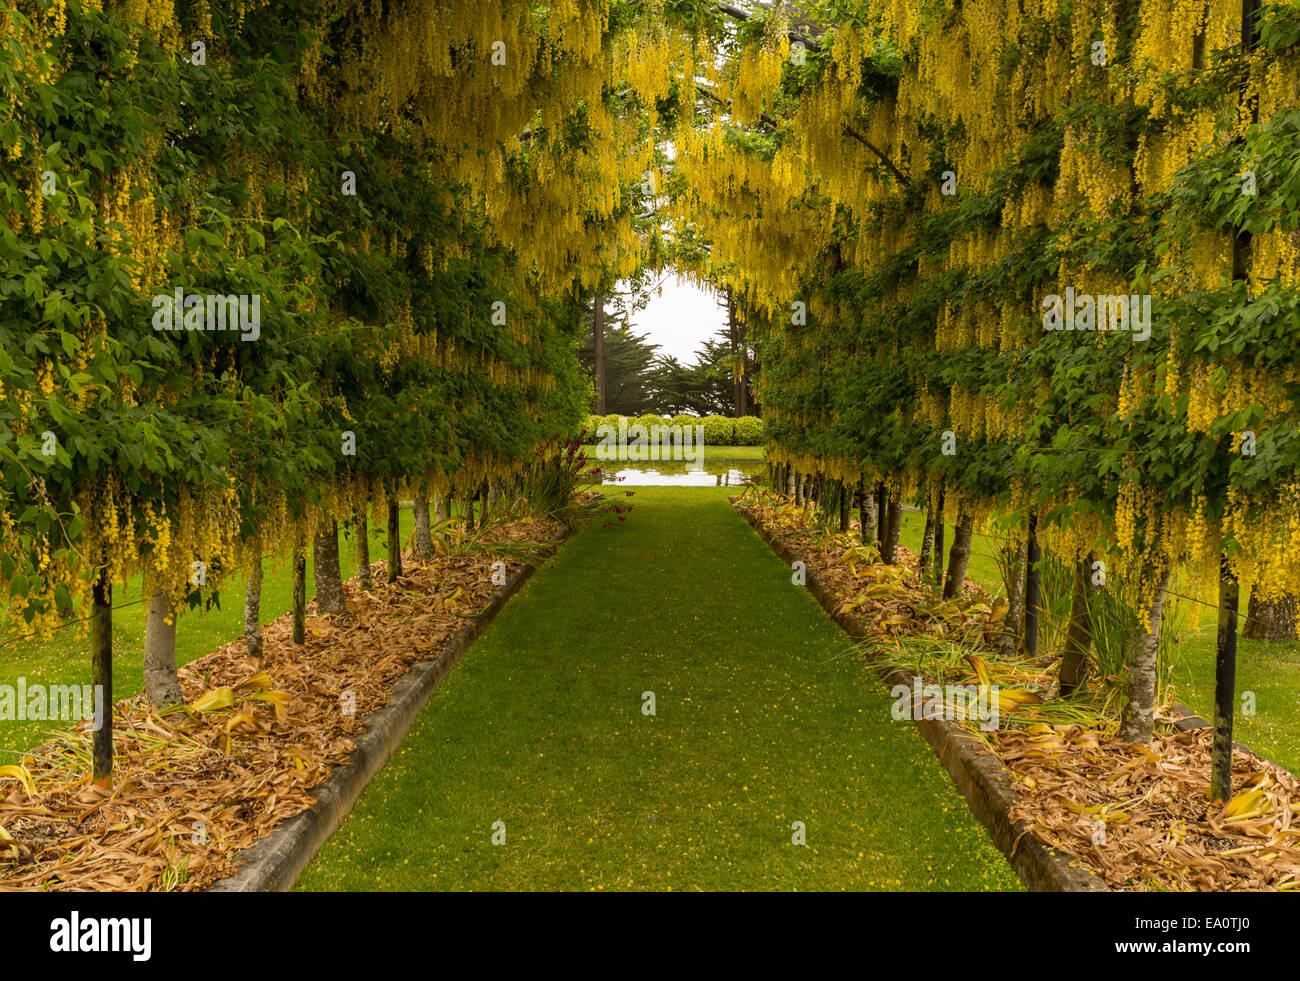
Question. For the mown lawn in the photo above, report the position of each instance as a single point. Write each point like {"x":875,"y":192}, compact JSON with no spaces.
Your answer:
{"x":764,"y":717}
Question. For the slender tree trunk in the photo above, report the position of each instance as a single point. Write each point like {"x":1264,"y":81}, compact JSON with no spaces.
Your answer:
{"x":253,"y":610}
{"x":101,"y":667}
{"x":1078,"y":637}
{"x":959,"y":558}
{"x":798,"y":488}
{"x":927,"y":542}
{"x":394,"y":541}
{"x":845,"y":494}
{"x":938,"y":539}
{"x":1225,"y":684}
{"x":1143,"y":648}
{"x":440,"y":509}
{"x":882,"y":515}
{"x":469,"y":511}
{"x":325,"y":563}
{"x":161,"y":684}
{"x":598,"y":349}
{"x":362,"y":525}
{"x":1032,"y":579}
{"x":1270,"y":619}
{"x":866,"y":513}
{"x":300,"y":593}
{"x":893,"y":529}
{"x":423,"y":539}
{"x":1018,"y":558}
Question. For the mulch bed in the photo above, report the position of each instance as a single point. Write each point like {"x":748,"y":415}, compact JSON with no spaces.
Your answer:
{"x":1138,"y":816}
{"x":194,"y":789}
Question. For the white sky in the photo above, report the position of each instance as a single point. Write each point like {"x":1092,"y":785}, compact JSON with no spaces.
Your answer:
{"x":679,"y":318}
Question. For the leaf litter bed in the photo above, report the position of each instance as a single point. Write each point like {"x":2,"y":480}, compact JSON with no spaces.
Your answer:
{"x":1137,"y":816}
{"x":192,"y":789}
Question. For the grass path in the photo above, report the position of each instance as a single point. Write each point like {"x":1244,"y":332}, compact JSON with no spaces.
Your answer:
{"x":760,"y":722}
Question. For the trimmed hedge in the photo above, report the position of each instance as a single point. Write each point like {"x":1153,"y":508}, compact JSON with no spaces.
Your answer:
{"x":718,"y":430}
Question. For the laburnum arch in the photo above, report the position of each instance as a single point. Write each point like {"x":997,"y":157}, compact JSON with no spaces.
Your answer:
{"x":889,"y":190}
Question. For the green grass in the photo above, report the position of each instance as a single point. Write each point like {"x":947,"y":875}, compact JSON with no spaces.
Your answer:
{"x":763,"y":718}
{"x":64,"y":659}
{"x":710,"y":452}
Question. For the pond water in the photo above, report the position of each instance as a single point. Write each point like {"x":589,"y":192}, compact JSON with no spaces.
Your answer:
{"x":672,"y":473}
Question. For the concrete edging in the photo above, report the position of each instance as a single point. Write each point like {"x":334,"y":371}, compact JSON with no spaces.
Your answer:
{"x":275,"y":861}
{"x":978,"y":774}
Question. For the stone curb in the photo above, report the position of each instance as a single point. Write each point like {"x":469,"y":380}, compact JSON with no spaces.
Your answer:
{"x":978,"y":774}
{"x":274,"y":863}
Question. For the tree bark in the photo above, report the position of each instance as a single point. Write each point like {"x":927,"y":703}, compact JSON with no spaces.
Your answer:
{"x":101,"y":668}
{"x":423,"y":540}
{"x":893,"y":529}
{"x":299,"y":593}
{"x":938,"y":539}
{"x":866,"y":514}
{"x":598,"y":349}
{"x":253,"y":611}
{"x":845,"y":494}
{"x":1270,"y":619}
{"x":1141,"y":653}
{"x":1018,"y":557}
{"x":882,"y":515}
{"x":959,"y":557}
{"x":1032,"y":579}
{"x":325,"y":563}
{"x":362,"y":525}
{"x":394,"y":542}
{"x":440,"y":509}
{"x":1225,"y":684}
{"x":1078,"y":636}
{"x":927,"y":542}
{"x":161,"y":684}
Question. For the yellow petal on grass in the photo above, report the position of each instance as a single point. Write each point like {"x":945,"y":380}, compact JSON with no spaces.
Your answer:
{"x":218,"y":698}
{"x":20,"y":774}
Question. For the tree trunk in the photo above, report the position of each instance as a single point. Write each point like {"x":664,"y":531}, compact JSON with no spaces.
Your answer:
{"x":362,"y":525}
{"x":893,"y":529}
{"x":253,"y":611}
{"x":101,"y":669}
{"x":598,"y":348}
{"x":866,"y":514}
{"x":1032,"y":579}
{"x":959,"y":557}
{"x":845,"y":494}
{"x":1143,"y":647}
{"x":440,"y":509}
{"x":160,"y":682}
{"x":1018,"y":558}
{"x":1270,"y":619}
{"x":882,"y":515}
{"x":299,"y":593}
{"x":938,"y":539}
{"x":394,"y":542}
{"x":423,"y":540}
{"x":798,"y":489}
{"x":1225,"y":684}
{"x":1078,"y":636}
{"x":325,"y":563}
{"x":927,"y":542}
